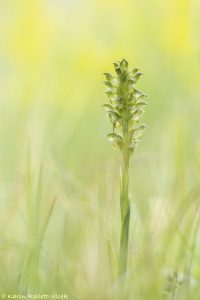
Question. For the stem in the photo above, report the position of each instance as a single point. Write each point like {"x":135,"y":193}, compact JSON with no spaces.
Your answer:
{"x":125,"y":215}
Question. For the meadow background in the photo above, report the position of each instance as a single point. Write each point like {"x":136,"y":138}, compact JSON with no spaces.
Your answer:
{"x":59,"y":176}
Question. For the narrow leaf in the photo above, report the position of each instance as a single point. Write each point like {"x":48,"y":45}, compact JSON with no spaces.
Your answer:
{"x":112,"y":260}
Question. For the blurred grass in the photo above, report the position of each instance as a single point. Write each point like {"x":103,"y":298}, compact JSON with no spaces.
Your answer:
{"x":52,"y":55}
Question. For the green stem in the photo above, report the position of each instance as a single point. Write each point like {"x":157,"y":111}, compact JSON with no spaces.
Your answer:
{"x":125,"y":215}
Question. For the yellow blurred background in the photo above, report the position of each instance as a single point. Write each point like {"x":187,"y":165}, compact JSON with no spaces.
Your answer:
{"x":53,"y":54}
{"x":52,"y":57}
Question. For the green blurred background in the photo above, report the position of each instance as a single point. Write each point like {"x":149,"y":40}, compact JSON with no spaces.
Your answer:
{"x":52,"y":135}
